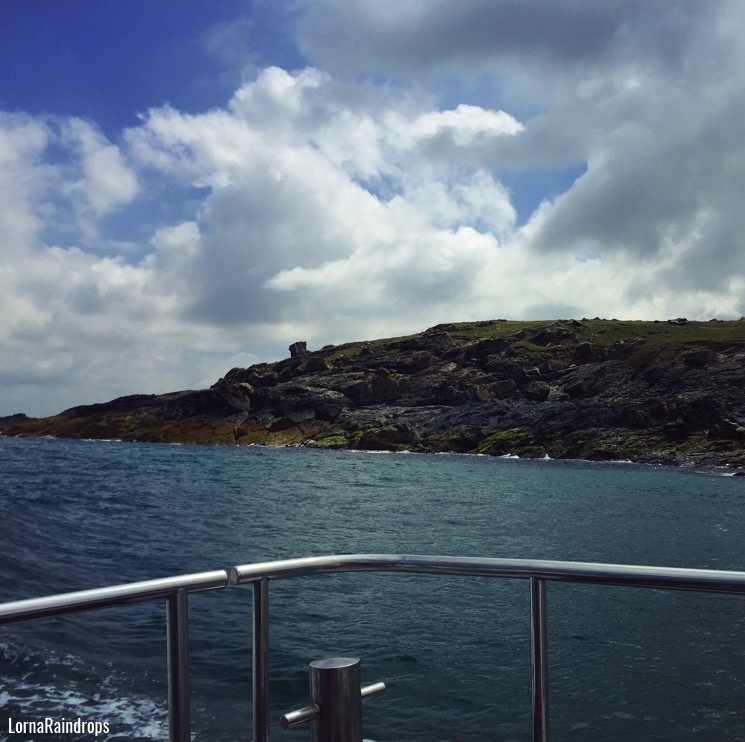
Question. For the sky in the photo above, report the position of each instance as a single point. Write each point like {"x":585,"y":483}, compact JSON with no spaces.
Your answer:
{"x":190,"y":186}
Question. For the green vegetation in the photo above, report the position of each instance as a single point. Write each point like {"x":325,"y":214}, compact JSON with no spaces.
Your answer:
{"x":648,"y":342}
{"x":470,"y":331}
{"x":344,"y":351}
{"x":503,"y":442}
{"x":331,"y":439}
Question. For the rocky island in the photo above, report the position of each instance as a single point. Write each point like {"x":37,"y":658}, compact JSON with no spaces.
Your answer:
{"x":668,"y":392}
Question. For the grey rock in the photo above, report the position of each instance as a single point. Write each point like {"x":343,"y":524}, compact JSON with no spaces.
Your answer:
{"x":299,"y":348}
{"x":700,"y":358}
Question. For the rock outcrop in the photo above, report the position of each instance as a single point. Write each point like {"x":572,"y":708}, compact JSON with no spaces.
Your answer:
{"x":656,"y":392}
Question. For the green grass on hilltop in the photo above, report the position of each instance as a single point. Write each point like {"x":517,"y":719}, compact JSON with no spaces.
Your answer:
{"x":654,"y":341}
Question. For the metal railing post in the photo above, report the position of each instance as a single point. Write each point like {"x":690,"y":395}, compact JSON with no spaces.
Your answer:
{"x":539,"y":658}
{"x":335,"y":689}
{"x":261,"y":661}
{"x":335,"y":710}
{"x":179,"y":714}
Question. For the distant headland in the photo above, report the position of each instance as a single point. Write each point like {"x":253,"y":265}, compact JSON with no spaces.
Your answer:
{"x":670,"y":392}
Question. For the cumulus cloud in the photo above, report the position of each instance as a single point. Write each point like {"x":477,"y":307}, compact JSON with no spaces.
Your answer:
{"x":23,"y":180}
{"x":77,"y":325}
{"x":370,"y":193}
{"x":646,"y":96}
{"x":105,"y":181}
{"x":310,"y":188}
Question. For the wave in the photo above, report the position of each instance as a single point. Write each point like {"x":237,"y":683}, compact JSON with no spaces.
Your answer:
{"x":64,"y":687}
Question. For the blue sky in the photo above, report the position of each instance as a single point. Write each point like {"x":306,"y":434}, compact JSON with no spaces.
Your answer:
{"x":189,"y":186}
{"x":108,"y":62}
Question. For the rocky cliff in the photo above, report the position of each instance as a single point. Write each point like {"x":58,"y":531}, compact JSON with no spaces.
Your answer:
{"x":666,"y":392}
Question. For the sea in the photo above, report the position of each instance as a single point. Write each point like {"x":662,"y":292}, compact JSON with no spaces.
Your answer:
{"x":454,"y":652}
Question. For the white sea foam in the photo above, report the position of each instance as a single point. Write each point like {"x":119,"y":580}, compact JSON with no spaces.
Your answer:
{"x":62,"y":687}
{"x":127,"y":716}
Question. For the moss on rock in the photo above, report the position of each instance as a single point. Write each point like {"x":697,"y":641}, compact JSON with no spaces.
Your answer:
{"x":503,"y":442}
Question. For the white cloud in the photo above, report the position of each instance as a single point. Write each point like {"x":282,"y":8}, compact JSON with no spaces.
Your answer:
{"x":292,"y":189}
{"x":106,"y":181}
{"x":24,"y":180}
{"x":325,"y":206}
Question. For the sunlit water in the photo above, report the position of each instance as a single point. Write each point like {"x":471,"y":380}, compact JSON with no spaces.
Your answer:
{"x":625,"y":664}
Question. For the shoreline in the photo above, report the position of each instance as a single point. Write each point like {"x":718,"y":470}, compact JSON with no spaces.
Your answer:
{"x":682,"y":464}
{"x":668,"y":393}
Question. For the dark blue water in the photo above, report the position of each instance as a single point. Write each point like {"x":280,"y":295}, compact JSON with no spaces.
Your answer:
{"x":625,"y":664}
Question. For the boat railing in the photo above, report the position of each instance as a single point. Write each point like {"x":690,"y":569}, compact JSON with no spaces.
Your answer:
{"x":176,"y":591}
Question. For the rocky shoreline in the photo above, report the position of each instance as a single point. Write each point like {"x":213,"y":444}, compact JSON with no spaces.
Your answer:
{"x":670,"y":392}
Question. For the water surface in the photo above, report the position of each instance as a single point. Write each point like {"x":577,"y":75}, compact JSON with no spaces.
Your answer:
{"x":624,"y":663}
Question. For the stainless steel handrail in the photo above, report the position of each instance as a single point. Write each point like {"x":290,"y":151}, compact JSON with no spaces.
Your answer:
{"x":677,"y":578}
{"x":105,"y":597}
{"x":176,"y":590}
{"x":536,"y":571}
